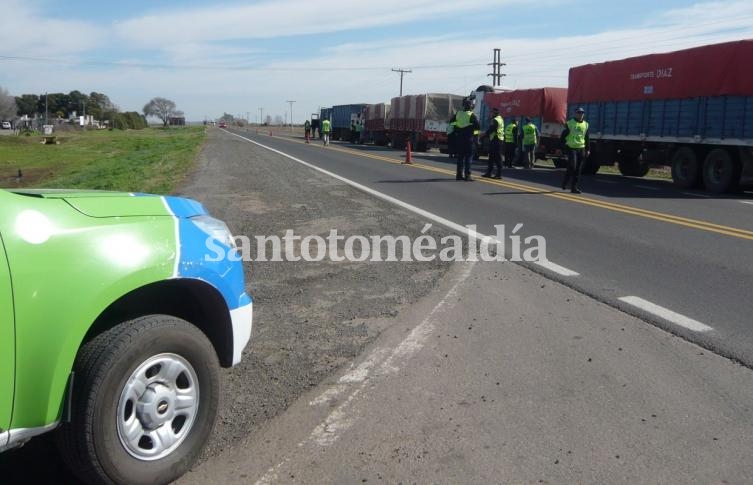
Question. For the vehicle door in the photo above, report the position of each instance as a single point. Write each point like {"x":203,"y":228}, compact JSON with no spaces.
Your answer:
{"x":7,"y":344}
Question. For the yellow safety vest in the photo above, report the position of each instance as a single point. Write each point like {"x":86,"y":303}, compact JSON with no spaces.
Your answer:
{"x":500,"y":134}
{"x":325,"y":126}
{"x":576,"y":138}
{"x":529,"y":134}
{"x":508,"y":132}
{"x":463,"y":119}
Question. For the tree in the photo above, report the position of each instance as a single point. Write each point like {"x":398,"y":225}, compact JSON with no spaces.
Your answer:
{"x":8,"y":108}
{"x":160,"y":108}
{"x":27,"y":104}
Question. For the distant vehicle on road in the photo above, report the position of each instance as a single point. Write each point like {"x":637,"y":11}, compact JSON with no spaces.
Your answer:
{"x":116,"y":312}
{"x":223,"y":124}
{"x":6,"y":125}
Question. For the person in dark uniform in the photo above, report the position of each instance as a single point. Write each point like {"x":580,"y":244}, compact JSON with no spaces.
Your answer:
{"x":495,"y":132}
{"x":575,"y":138}
{"x":465,"y":125}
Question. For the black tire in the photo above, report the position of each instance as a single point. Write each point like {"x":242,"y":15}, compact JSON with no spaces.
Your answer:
{"x":91,"y":443}
{"x":560,"y":162}
{"x":686,"y":169}
{"x":632,"y":166}
{"x":721,"y":173}
{"x":591,"y":165}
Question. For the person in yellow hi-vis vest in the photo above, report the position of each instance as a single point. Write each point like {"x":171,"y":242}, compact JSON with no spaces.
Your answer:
{"x":575,"y":137}
{"x":326,"y":130}
{"x":530,"y":140}
{"x":465,"y":124}
{"x":496,"y":133}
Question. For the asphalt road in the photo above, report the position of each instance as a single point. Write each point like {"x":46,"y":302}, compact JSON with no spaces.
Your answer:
{"x":444,"y":372}
{"x":687,"y":256}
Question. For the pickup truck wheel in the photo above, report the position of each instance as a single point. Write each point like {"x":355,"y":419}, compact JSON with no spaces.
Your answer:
{"x":686,"y":170}
{"x":145,"y":398}
{"x":720,"y":172}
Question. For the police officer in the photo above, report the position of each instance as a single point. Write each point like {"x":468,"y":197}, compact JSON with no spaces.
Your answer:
{"x":307,"y":130}
{"x":465,"y":124}
{"x":575,"y":136}
{"x":495,"y":132}
{"x":530,"y":140}
{"x":511,"y":134}
{"x":326,"y":129}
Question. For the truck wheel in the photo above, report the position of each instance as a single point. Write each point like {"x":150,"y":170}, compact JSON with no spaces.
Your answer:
{"x":560,"y":162}
{"x":633,"y":166}
{"x":144,"y":401}
{"x":686,"y":170}
{"x":591,"y":165}
{"x":720,"y":172}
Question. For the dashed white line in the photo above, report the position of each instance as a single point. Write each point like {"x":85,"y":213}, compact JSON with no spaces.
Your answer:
{"x":666,"y":314}
{"x":560,"y":270}
{"x":746,"y":202}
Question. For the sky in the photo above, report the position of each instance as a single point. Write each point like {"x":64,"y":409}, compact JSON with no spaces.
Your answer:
{"x":249,"y":58}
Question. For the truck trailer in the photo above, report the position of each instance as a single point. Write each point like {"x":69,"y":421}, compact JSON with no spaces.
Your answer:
{"x":343,"y":116}
{"x":546,"y":107}
{"x":376,"y":123}
{"x":691,"y":109}
{"x":422,"y":119}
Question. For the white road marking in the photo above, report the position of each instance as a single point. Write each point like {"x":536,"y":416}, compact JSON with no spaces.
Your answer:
{"x":561,"y":270}
{"x":646,"y":187}
{"x":416,"y":210}
{"x":746,"y":202}
{"x":666,"y":314}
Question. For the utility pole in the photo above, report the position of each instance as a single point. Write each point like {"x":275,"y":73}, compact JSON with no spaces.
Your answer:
{"x":261,"y":116}
{"x":497,"y":68}
{"x":291,"y":114}
{"x":402,"y":72}
{"x":248,"y":118}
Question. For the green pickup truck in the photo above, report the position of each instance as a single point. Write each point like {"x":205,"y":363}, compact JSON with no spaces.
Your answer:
{"x":115,"y":319}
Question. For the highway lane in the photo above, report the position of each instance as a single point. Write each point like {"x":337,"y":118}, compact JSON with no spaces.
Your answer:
{"x":684,"y":252}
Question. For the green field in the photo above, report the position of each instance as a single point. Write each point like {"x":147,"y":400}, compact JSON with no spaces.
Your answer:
{"x":152,"y":160}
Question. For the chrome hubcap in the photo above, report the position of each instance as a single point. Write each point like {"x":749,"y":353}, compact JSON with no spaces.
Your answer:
{"x":158,"y":406}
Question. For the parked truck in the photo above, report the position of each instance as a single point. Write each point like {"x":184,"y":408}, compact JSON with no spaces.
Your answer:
{"x":342,"y":117}
{"x":376,"y":122}
{"x":691,"y":109}
{"x":546,"y":107}
{"x":423,"y":119}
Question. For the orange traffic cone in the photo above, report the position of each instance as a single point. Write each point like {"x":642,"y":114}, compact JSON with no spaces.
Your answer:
{"x":408,"y":155}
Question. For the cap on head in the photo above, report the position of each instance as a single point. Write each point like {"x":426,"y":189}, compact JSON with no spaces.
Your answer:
{"x":467,"y":104}
{"x":527,"y":119}
{"x":580,"y":110}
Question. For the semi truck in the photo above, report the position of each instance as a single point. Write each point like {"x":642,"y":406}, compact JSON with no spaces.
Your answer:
{"x":376,"y":122}
{"x":422,"y":119}
{"x":342,"y":118}
{"x":546,"y":107}
{"x":691,"y":109}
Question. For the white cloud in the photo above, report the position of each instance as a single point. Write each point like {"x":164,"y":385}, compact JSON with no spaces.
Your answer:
{"x":25,"y":31}
{"x":335,"y":76}
{"x":282,"y":18}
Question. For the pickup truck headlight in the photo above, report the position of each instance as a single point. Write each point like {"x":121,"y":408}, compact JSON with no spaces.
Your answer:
{"x":215,"y":228}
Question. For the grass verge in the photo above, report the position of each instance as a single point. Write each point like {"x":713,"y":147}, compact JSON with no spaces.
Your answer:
{"x":150,"y":160}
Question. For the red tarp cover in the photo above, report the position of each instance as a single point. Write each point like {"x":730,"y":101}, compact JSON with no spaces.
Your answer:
{"x":548,"y":103}
{"x":712,"y":70}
